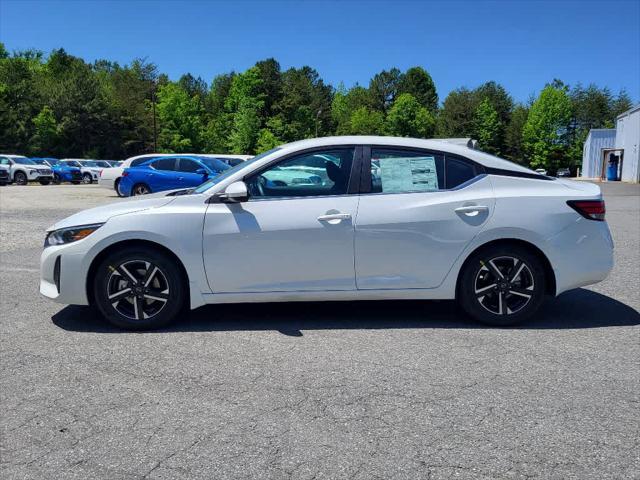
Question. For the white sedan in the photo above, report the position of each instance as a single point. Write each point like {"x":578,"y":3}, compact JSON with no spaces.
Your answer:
{"x":396,"y":218}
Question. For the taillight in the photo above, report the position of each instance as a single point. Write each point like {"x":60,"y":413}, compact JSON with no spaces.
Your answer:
{"x":100,"y":173}
{"x":124,"y":174}
{"x":591,"y":209}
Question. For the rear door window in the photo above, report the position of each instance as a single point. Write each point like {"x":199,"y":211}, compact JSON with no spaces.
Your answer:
{"x":405,"y":171}
{"x":168,"y":164}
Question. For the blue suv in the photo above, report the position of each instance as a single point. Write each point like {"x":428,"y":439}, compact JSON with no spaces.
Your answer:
{"x":61,"y":171}
{"x":169,"y":173}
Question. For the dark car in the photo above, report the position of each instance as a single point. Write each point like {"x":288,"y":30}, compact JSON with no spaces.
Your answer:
{"x":563,"y":172}
{"x":4,"y":176}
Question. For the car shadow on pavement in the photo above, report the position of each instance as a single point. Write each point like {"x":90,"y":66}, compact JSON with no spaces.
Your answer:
{"x":575,"y":309}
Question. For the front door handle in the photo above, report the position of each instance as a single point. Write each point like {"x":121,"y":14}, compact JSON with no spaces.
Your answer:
{"x":334,"y":217}
{"x":472,"y":210}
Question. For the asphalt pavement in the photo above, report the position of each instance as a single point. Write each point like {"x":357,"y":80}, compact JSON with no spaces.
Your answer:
{"x":316,"y":390}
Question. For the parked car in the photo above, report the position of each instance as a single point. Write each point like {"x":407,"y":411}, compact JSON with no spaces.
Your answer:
{"x":169,"y":173}
{"x":111,"y":178}
{"x":563,"y":172}
{"x":443,"y":222}
{"x":61,"y":172}
{"x":90,"y":168}
{"x":23,"y":170}
{"x":4,"y":175}
{"x":541,"y":171}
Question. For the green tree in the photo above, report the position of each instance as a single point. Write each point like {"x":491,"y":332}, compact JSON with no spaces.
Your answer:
{"x":267,"y":140}
{"x":345,"y":103}
{"x":383,"y":88}
{"x":456,"y":118}
{"x":487,"y":127}
{"x":365,"y":121}
{"x":544,"y":134}
{"x":419,"y":83}
{"x":179,"y":118}
{"x":305,"y":106}
{"x":513,"y":134}
{"x":244,"y":102}
{"x":407,"y":118}
{"x":46,"y":136}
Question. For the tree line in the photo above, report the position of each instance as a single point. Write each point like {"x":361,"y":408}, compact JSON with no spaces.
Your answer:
{"x":59,"y":105}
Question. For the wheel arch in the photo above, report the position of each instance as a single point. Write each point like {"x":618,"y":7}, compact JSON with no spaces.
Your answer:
{"x":549,"y":274}
{"x":147,"y":244}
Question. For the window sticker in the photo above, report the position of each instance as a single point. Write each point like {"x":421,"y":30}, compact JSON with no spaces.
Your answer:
{"x":410,"y":174}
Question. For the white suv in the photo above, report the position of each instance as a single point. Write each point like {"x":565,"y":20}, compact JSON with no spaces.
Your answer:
{"x":23,"y":170}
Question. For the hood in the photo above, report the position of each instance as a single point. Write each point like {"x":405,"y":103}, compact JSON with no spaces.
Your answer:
{"x":104,"y":212}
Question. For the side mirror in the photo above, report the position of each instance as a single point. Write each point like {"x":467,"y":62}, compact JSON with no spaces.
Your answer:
{"x":234,"y":193}
{"x":202,"y":171}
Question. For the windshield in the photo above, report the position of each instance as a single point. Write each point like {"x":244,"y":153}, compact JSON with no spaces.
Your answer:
{"x":215,"y":164}
{"x":102,"y":163}
{"x":24,"y":161}
{"x":227,"y":173}
{"x":39,"y":161}
{"x":90,"y":163}
{"x":72,"y":163}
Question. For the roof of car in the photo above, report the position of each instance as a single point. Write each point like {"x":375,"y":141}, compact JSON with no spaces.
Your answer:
{"x":440,"y":145}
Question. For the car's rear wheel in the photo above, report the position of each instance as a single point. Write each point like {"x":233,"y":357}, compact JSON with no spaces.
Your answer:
{"x":20,"y":178}
{"x":56,"y":179}
{"x":139,"y":289}
{"x":86,"y":178}
{"x":502,"y":285}
{"x":140,"y":189}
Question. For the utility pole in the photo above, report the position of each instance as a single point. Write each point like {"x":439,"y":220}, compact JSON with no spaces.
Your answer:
{"x":155,"y":127}
{"x":318,"y":121}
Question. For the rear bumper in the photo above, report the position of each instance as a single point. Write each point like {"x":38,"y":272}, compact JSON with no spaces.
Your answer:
{"x":106,"y":182}
{"x":582,"y":254}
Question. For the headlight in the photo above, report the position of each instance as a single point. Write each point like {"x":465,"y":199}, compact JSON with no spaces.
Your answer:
{"x":70,"y":234}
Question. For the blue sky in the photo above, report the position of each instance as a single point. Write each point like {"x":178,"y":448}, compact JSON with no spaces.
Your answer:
{"x":520,"y":44}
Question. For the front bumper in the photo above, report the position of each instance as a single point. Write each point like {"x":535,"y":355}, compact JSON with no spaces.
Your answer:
{"x":62,"y":283}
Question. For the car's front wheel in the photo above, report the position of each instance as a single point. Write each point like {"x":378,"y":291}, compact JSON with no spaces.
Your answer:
{"x":86,"y":178}
{"x":57,"y":180}
{"x":139,"y":289}
{"x":502,"y":285}
{"x":20,"y":178}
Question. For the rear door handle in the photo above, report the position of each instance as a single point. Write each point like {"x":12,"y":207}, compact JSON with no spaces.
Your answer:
{"x":472,"y":210}
{"x":335,"y":217}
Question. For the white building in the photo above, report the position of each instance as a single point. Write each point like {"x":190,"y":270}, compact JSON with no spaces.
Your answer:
{"x":598,"y":140}
{"x":623,"y":142}
{"x":628,"y":139}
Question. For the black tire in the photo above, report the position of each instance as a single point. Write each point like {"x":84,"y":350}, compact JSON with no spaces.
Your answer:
{"x":56,"y":179}
{"x":87,"y":179}
{"x":20,"y":178}
{"x":75,"y":182}
{"x":140,"y":189}
{"x":44,"y":182}
{"x":116,"y":184}
{"x":493,"y":300}
{"x":168,"y":282}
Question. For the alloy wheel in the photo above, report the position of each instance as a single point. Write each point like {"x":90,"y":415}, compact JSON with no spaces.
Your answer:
{"x":504,"y":285}
{"x":86,"y":179}
{"x":137,"y":289}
